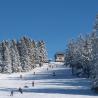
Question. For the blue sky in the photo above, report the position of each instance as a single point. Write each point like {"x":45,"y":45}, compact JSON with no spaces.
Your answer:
{"x":55,"y":21}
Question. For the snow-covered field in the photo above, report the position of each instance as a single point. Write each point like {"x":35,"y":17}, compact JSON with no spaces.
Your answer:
{"x":63,"y":85}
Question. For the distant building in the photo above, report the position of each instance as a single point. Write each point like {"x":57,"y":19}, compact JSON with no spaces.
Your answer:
{"x":59,"y":57}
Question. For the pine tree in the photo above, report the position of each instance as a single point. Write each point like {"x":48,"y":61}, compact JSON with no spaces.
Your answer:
{"x":6,"y":57}
{"x":42,"y":52}
{"x":95,"y":55}
{"x":79,"y":56}
{"x":1,"y":57}
{"x":15,"y":58}
{"x":30,"y":47}
{"x":34,"y":58}
{"x":87,"y":56}
{"x":24,"y":57}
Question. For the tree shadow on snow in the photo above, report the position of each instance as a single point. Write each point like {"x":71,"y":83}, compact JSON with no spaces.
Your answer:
{"x":49,"y":75}
{"x":62,"y":91}
{"x":8,"y":89}
{"x":60,"y":74}
{"x":69,"y":82}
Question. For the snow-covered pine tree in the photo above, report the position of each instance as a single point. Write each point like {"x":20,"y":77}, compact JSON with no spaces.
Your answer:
{"x":34,"y":52}
{"x":42,"y":51}
{"x":24,"y":57}
{"x":1,"y":57}
{"x":30,"y":48}
{"x":15,"y":58}
{"x":1,"y":53}
{"x":79,"y":55}
{"x":87,"y":56}
{"x":95,"y":54}
{"x":94,"y":71}
{"x":70,"y":55}
{"x":6,"y":57}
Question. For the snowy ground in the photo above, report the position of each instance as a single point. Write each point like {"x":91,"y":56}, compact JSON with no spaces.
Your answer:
{"x":63,"y":85}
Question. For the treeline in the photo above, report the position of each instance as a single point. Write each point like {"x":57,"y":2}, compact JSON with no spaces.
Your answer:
{"x":82,"y":55}
{"x":21,"y":55}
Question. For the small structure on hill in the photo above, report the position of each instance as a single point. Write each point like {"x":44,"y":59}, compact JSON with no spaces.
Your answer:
{"x":59,"y":57}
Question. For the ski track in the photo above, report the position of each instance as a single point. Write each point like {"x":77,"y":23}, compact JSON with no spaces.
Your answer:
{"x":46,"y":85}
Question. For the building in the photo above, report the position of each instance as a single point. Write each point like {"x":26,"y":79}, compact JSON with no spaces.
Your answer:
{"x":59,"y":57}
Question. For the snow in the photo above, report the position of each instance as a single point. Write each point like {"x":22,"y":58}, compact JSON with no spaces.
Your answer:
{"x":45,"y":84}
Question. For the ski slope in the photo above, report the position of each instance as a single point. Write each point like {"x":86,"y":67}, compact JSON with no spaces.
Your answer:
{"x":63,"y":85}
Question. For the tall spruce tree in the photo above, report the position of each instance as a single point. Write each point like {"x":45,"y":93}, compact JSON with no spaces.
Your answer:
{"x":1,"y":57}
{"x":42,"y":51}
{"x":15,"y":58}
{"x":24,"y":56}
{"x":6,"y":57}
